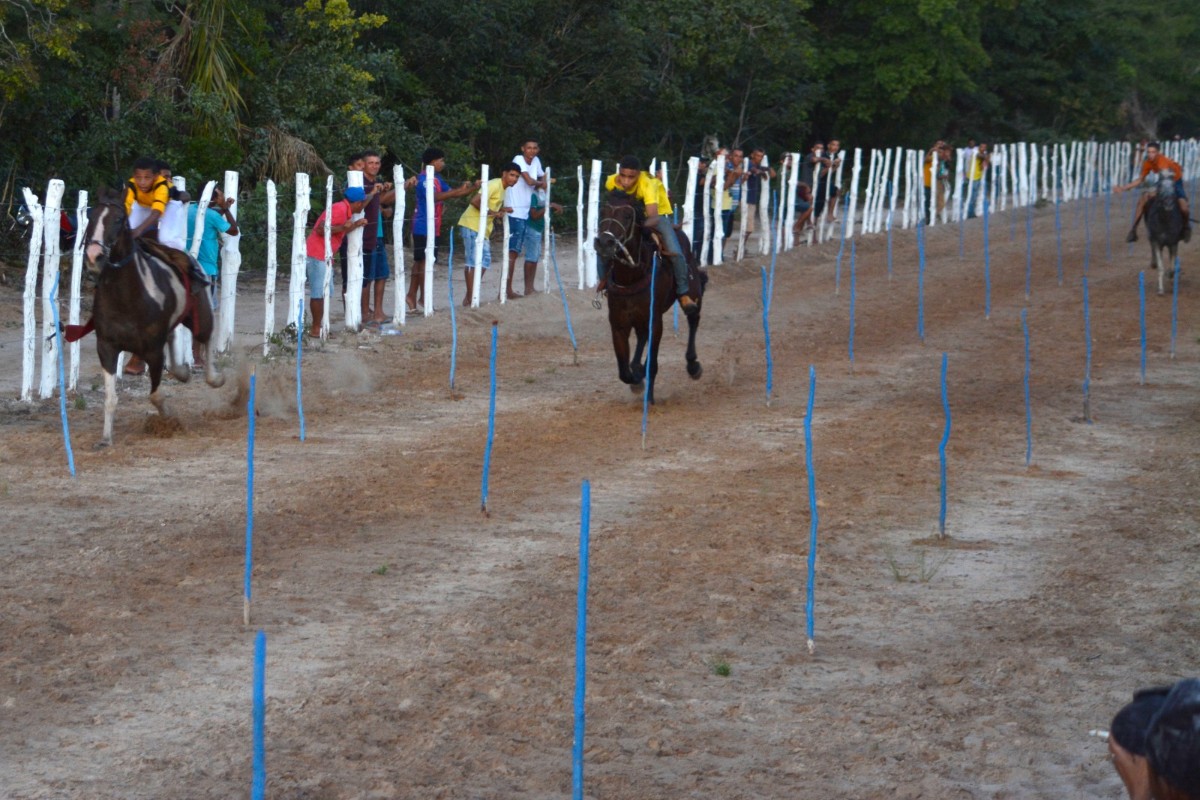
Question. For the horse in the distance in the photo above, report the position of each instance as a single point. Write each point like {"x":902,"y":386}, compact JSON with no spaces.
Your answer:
{"x":143,"y":290}
{"x":1164,"y":221}
{"x":630,"y":254}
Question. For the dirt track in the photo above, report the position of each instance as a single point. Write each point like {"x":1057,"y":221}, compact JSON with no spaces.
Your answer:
{"x":970,"y":668}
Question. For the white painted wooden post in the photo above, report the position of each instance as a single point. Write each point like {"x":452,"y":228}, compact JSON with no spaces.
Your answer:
{"x":784,"y":207}
{"x":1034,"y":166}
{"x":763,"y":228}
{"x":172,"y":231}
{"x":719,"y":211}
{"x":430,"y":238}
{"x":272,"y":267}
{"x":706,"y":209}
{"x":895,"y":189}
{"x":855,"y":174}
{"x":547,"y":263}
{"x":1045,"y":162}
{"x":354,"y":262}
{"x":741,"y":211}
{"x":299,"y":250}
{"x":231,"y":262}
{"x":29,"y":354}
{"x":77,"y":285}
{"x":327,"y":232}
{"x":505,"y":232}
{"x":815,"y":192}
{"x":957,"y":192}
{"x":593,"y":224}
{"x":868,"y":203}
{"x":481,"y":239}
{"x":51,"y":266}
{"x":580,"y":234}
{"x":399,"y":315}
{"x":789,"y":224}
{"x":689,"y":198}
{"x":909,"y":186}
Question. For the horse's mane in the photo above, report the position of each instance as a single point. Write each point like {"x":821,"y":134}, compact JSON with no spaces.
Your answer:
{"x":618,"y":197}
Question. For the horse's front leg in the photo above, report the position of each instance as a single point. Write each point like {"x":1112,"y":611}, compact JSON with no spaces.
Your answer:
{"x":110,"y":407}
{"x":1156,"y":264}
{"x":620,"y":337}
{"x":639,"y":364}
{"x":155,"y":363}
{"x":694,"y":370}
{"x":175,"y":365}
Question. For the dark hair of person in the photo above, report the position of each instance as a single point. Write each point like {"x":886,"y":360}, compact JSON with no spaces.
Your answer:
{"x":510,"y":167}
{"x":431,"y":155}
{"x":146,"y":162}
{"x":630,"y":162}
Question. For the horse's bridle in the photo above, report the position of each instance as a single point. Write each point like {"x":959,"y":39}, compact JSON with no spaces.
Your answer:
{"x":624,"y":255}
{"x":106,"y":249}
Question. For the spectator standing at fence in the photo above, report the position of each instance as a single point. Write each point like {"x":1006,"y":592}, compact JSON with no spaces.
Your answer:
{"x":811,"y":169}
{"x":355,"y":163}
{"x":376,"y":270}
{"x":700,"y":209}
{"x":217,"y":220}
{"x":934,"y":164}
{"x":977,"y":164}
{"x":468,"y":223}
{"x":758,"y":178}
{"x":420,"y":225}
{"x":519,"y":198}
{"x":735,"y":173}
{"x":534,"y":235}
{"x":340,"y":213}
{"x":830,"y":180}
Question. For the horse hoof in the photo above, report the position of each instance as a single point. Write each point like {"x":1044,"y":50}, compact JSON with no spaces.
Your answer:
{"x":695,"y":370}
{"x":102,"y":444}
{"x":637,"y":388}
{"x":216,"y":382}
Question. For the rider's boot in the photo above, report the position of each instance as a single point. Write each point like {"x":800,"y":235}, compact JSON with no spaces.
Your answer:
{"x":1132,"y":237}
{"x":682,"y":285}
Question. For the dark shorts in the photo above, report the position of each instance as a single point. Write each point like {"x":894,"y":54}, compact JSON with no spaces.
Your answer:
{"x":375,"y":264}
{"x":419,"y":243}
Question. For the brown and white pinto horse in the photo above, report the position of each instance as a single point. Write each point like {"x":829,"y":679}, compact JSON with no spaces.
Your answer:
{"x":143,"y":290}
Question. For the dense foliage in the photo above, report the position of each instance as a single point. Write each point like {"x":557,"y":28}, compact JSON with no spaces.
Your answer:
{"x":272,"y":87}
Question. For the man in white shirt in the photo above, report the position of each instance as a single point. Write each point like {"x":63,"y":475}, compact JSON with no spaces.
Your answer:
{"x":518,"y":198}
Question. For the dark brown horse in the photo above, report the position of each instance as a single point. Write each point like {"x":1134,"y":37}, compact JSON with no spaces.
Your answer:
{"x":629,"y":255}
{"x":143,"y":290}
{"x":1164,"y":220}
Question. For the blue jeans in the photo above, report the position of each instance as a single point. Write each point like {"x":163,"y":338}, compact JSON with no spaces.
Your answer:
{"x":971,"y":193}
{"x":674,"y":252}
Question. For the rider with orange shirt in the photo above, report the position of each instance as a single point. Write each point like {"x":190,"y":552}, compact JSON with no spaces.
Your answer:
{"x":1156,"y":162}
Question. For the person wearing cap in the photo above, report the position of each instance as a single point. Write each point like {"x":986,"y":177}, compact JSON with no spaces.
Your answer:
{"x":644,"y":187}
{"x":1156,"y":162}
{"x":341,"y":223}
{"x":1154,"y":743}
{"x":435,"y":158}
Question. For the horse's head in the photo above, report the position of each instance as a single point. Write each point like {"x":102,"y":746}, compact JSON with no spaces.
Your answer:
{"x":619,"y":228}
{"x":106,"y":228}
{"x":1165,"y":186}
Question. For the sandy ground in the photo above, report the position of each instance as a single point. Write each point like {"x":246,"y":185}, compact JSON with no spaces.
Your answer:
{"x":419,"y":649}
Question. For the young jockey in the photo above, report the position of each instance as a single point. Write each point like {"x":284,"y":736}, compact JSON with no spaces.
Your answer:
{"x":1156,"y":162}
{"x":146,"y":197}
{"x":650,"y":191}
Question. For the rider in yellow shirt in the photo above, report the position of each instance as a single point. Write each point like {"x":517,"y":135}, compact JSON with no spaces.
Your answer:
{"x":146,"y":196}
{"x":643,"y":186}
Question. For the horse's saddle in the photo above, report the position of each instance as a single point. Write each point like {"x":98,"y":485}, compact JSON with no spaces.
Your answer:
{"x":183,"y":263}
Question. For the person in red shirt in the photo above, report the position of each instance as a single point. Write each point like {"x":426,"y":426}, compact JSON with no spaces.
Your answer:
{"x":1156,"y":162}
{"x":319,"y":259}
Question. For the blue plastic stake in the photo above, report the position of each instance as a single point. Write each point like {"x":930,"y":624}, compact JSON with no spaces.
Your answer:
{"x":1108,"y":224}
{"x":889,"y":234}
{"x":987,"y":264}
{"x":1087,"y":236}
{"x":853,"y":281}
{"x":491,"y":433}
{"x":299,"y":353}
{"x":921,"y":280}
{"x":649,"y":355}
{"x":250,"y":413}
{"x":675,"y":318}
{"x":563,"y":294}
{"x":1029,"y":252}
{"x":1174,"y":305}
{"x":585,"y":516}
{"x":1028,"y":405}
{"x":813,"y":513}
{"x":258,"y":785}
{"x":774,"y":250}
{"x":942,"y":449}
{"x":62,"y":378}
{"x":837,"y":276}
{"x":1087,"y":370}
{"x":453,"y":314}
{"x":1058,"y":236}
{"x":1142,"y":321}
{"x":766,"y":304}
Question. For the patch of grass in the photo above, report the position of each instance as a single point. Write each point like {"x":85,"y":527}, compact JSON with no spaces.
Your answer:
{"x":922,"y":570}
{"x":95,"y":386}
{"x":382,"y":569}
{"x":720,"y":666}
{"x":529,"y":379}
{"x":80,"y":402}
{"x":551,"y":370}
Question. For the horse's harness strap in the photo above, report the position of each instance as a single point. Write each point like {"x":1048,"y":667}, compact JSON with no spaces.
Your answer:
{"x":636,"y":288}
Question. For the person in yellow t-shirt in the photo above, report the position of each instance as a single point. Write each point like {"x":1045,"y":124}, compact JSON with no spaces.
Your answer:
{"x":978,"y":162}
{"x":643,"y":186}
{"x":468,"y":223}
{"x":146,"y":197}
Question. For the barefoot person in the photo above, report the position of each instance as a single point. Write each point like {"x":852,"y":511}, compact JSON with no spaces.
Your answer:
{"x":340,"y":213}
